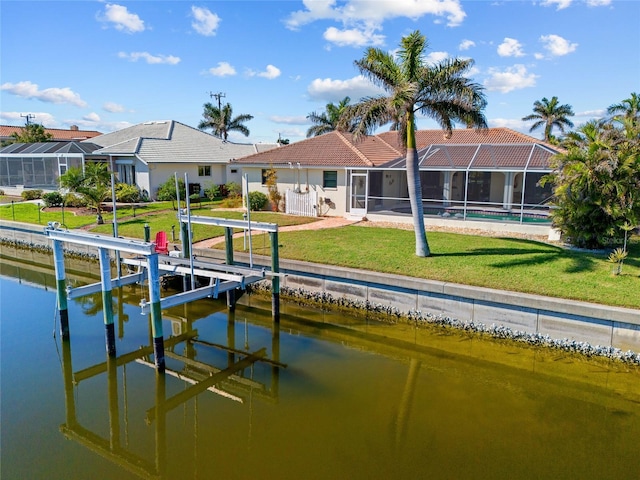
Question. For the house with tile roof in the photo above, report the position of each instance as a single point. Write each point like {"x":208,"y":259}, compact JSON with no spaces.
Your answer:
{"x":145,"y":155}
{"x":73,"y":134}
{"x":149,"y":153}
{"x":493,"y":172}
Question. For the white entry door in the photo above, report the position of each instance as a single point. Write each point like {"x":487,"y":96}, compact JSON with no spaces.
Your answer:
{"x":358,"y":203}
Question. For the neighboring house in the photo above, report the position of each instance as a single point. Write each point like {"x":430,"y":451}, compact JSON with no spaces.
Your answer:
{"x":145,"y":155}
{"x":149,"y":153}
{"x":494,"y":172}
{"x":73,"y":134}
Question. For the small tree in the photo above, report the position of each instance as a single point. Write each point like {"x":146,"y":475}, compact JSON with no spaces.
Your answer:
{"x":212,"y":192}
{"x":32,"y":133}
{"x":92,"y":184}
{"x":167,"y":191}
{"x":271,"y":181}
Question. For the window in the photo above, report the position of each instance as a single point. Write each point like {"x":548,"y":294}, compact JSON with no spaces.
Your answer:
{"x":264,"y":176}
{"x":204,"y":170}
{"x":330,"y":179}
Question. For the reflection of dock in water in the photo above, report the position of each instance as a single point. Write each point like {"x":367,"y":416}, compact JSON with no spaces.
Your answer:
{"x":199,"y":377}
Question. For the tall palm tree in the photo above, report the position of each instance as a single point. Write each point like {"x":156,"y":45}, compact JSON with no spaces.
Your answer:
{"x":550,"y":114}
{"x":628,"y":109}
{"x":221,"y":121}
{"x":439,"y":91}
{"x":327,"y":121}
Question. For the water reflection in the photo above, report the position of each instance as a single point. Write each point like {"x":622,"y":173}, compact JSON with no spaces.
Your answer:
{"x":230,"y":381}
{"x":322,"y":395}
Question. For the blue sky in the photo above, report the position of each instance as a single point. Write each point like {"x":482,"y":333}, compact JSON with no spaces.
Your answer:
{"x":107,"y":65}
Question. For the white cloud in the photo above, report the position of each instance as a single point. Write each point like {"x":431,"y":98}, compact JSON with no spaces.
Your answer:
{"x":113,"y":107}
{"x":512,"y":78}
{"x":270,"y":73}
{"x":560,"y":4}
{"x":224,"y":69}
{"x":329,"y":90}
{"x":150,"y":59}
{"x":375,"y":13}
{"x":121,"y":19}
{"x":92,"y":117}
{"x":42,"y":118}
{"x":510,"y":47}
{"x":598,"y":3}
{"x":592,"y":113}
{"x":204,"y":21}
{"x":50,"y":95}
{"x":436,"y":57}
{"x":291,"y":120}
{"x":466,"y":44}
{"x":512,"y":123}
{"x":557,"y":46}
{"x":353,"y":37}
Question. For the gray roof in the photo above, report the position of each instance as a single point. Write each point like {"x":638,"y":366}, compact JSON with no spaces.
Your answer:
{"x":170,"y":141}
{"x":32,"y":149}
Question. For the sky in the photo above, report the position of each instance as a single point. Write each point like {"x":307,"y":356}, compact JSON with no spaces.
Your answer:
{"x":105,"y":65}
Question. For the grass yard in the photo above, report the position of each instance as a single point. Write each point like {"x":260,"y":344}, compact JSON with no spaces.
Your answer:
{"x":502,"y":263}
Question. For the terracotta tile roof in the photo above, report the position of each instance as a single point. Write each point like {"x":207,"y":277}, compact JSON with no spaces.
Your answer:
{"x":331,"y":149}
{"x":434,"y":148}
{"x":73,"y":134}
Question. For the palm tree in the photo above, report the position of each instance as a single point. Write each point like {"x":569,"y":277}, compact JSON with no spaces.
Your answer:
{"x":550,"y":114}
{"x":439,"y":91}
{"x":628,"y":109}
{"x":221,"y":121}
{"x":93,"y":184}
{"x":328,"y":120}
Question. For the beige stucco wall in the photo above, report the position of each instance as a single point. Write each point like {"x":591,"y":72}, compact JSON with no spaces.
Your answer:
{"x":333,"y":201}
{"x":160,"y":172}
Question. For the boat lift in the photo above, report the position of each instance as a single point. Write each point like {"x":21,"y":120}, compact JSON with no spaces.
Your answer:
{"x":151,"y":265}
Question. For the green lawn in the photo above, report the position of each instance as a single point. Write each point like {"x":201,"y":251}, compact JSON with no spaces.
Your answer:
{"x":503,"y":263}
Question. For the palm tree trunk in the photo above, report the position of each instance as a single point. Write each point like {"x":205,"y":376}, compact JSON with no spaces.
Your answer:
{"x":415,"y":192}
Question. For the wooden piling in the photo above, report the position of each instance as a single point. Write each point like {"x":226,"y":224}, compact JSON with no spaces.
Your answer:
{"x":61,"y":287}
{"x":275,"y":279}
{"x":107,"y":301}
{"x":228,"y":245}
{"x":156,"y":312}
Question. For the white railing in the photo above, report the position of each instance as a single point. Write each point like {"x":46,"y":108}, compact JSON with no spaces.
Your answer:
{"x":303,"y":204}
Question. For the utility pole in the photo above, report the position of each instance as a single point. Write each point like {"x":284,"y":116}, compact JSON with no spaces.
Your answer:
{"x":28,"y":116}
{"x":217,"y":96}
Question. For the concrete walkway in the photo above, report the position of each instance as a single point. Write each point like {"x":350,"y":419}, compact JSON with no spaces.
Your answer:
{"x":322,"y":223}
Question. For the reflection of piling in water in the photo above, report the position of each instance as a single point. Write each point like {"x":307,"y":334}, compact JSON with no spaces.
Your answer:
{"x":107,"y":301}
{"x":156,"y":313}
{"x":61,"y":289}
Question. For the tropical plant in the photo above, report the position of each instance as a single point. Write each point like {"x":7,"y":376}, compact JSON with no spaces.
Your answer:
{"x":212,"y":192}
{"x":221,"y":121}
{"x":167,"y":191}
{"x":92,"y":184}
{"x":271,"y":182}
{"x":32,"y":133}
{"x":597,"y":184}
{"x":257,"y":200}
{"x":629,"y":108}
{"x":327,"y":121}
{"x":550,"y":114}
{"x":126,"y":193}
{"x":439,"y":91}
{"x":618,"y":257}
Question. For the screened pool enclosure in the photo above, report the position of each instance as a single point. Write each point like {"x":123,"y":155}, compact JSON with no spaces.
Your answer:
{"x":498,"y":181}
{"x":39,"y":165}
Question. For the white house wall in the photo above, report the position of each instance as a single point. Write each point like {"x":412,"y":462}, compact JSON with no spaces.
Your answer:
{"x":160,"y":172}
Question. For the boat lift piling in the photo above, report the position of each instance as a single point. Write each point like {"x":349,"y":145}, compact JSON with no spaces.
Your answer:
{"x":61,"y":288}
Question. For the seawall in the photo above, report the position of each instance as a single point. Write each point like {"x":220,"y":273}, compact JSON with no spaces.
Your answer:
{"x":535,"y":314}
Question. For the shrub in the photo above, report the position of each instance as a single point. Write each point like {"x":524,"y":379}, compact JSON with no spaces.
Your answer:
{"x":126,"y":193}
{"x":73,"y":200}
{"x":232,"y":202}
{"x":212,"y":192}
{"x":257,"y":200}
{"x":1,"y":193}
{"x":233,"y":189}
{"x":31,"y":194}
{"x":52,"y":199}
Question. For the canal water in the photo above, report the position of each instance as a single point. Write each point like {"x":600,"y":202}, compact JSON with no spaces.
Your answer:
{"x":321,"y":396}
